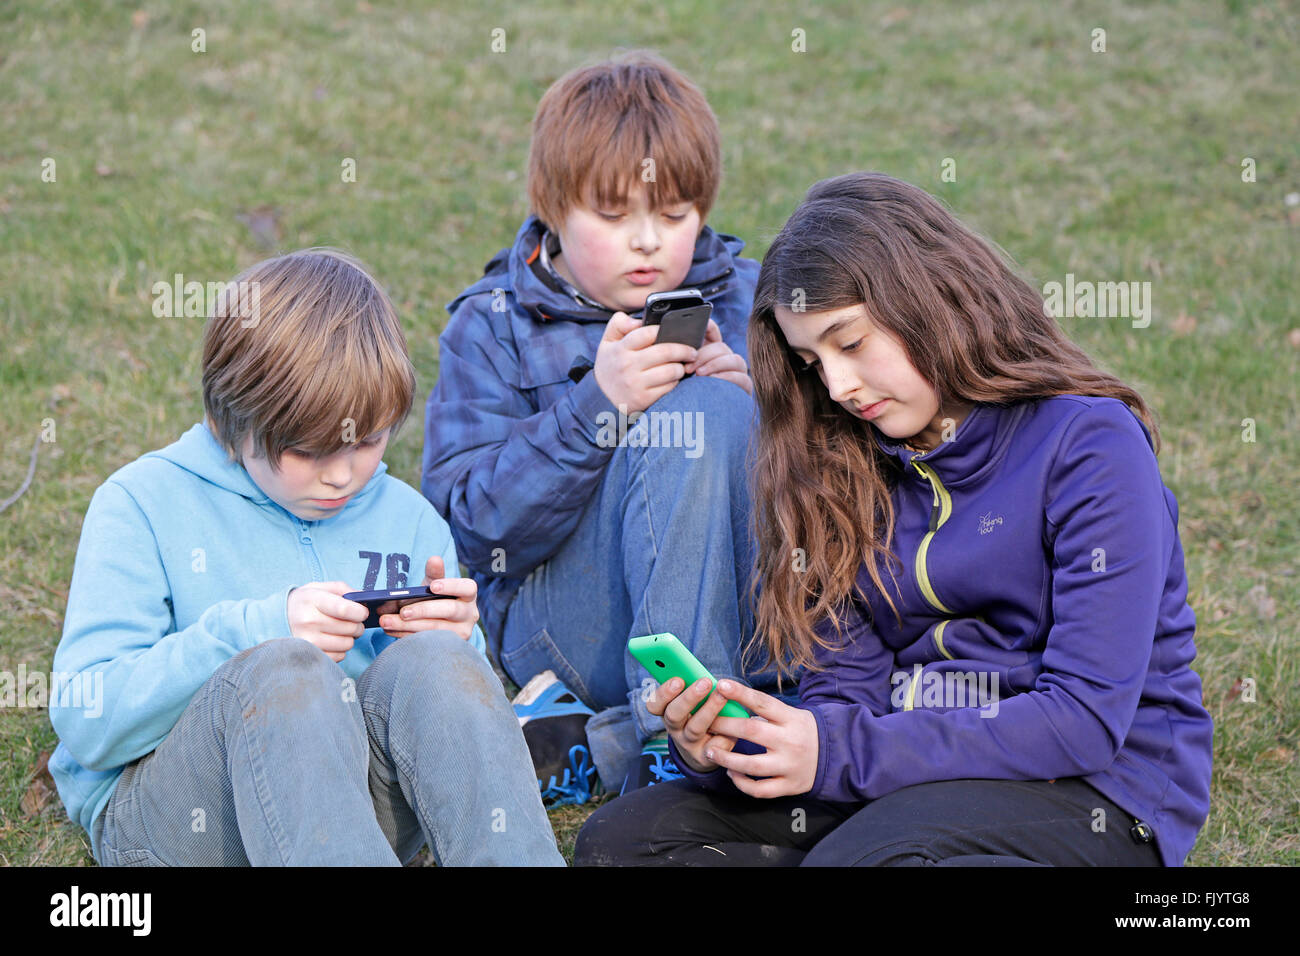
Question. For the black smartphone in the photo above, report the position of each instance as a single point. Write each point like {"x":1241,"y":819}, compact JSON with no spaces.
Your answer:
{"x":682,"y":316}
{"x":398,"y":597}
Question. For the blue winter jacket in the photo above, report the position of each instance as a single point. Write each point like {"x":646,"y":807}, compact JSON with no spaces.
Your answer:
{"x":183,"y":563}
{"x":511,"y":458}
{"x":1045,"y":626}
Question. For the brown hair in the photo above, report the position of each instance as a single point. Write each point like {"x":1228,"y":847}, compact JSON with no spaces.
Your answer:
{"x":597,"y":126}
{"x":972,"y":328}
{"x":304,"y":351}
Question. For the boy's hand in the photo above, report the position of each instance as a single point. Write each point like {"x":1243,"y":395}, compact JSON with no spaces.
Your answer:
{"x":788,"y":733}
{"x":459,"y":615}
{"x":691,"y":732}
{"x":716,"y":358}
{"x":632,"y":369}
{"x":319,"y":615}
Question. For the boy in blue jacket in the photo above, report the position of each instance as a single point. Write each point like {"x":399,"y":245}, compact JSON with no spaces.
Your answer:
{"x":582,"y":524}
{"x":240,"y":714}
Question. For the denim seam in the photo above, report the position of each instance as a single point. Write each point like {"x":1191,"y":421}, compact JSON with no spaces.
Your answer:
{"x":638,"y":717}
{"x":140,"y":849}
{"x":257,"y":773}
{"x":140,"y":816}
{"x":406,"y":769}
{"x":404,"y":766}
{"x":654,"y":542}
{"x":109,"y":829}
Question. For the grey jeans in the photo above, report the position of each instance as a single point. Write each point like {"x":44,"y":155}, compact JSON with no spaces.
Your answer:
{"x":282,"y":760}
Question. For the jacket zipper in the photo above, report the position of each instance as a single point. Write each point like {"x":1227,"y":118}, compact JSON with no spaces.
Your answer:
{"x":305,"y":539}
{"x":940,"y":512}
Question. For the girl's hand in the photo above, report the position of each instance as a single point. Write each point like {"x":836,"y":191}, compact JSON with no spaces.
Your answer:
{"x":716,"y":358}
{"x":788,"y":733}
{"x":458,"y":616}
{"x":674,"y":701}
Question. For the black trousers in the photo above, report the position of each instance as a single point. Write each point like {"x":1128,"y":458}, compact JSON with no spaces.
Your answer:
{"x":949,"y":823}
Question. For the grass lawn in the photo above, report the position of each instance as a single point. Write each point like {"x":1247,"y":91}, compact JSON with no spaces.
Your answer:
{"x":1171,"y":157}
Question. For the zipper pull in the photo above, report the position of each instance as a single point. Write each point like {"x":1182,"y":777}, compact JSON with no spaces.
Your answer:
{"x":1141,"y":832}
{"x":934,"y":508}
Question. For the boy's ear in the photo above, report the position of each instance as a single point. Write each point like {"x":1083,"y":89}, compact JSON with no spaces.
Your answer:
{"x":232,"y":454}
{"x":249,"y":449}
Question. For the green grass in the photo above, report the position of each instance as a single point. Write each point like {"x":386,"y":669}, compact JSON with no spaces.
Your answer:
{"x":1123,"y":165}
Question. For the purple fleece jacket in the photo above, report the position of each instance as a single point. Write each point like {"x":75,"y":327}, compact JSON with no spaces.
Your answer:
{"x":1045,"y":626}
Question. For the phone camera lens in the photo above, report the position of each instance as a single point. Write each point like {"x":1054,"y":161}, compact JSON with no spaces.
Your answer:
{"x":660,"y":664}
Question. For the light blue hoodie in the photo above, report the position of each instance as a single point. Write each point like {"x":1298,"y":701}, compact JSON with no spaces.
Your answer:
{"x":184,"y":562}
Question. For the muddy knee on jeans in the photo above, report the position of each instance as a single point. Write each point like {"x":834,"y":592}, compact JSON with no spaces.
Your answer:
{"x":439,"y":663}
{"x":286,"y":675}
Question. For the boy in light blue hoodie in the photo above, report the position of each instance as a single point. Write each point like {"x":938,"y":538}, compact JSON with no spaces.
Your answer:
{"x":222,"y":703}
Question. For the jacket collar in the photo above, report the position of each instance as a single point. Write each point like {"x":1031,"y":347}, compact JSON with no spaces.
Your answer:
{"x":537,"y":292}
{"x":978,"y":442}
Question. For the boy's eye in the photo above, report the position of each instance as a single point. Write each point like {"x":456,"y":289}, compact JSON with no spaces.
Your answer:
{"x":609,"y":216}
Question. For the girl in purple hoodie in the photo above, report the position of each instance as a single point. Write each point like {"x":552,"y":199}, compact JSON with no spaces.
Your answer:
{"x":967,"y":556}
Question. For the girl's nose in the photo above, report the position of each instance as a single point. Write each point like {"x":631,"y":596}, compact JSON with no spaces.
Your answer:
{"x":840,"y":383}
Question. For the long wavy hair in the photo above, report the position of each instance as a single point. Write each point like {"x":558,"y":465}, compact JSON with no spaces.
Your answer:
{"x":972,"y":328}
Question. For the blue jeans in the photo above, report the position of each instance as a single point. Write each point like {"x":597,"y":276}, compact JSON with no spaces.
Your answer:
{"x":281,"y":760}
{"x":665,"y":545}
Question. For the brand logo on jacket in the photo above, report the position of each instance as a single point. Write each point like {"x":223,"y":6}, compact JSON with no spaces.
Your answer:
{"x":989,"y":521}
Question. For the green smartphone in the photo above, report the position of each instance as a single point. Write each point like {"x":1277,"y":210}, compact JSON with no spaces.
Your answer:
{"x":665,"y":657}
